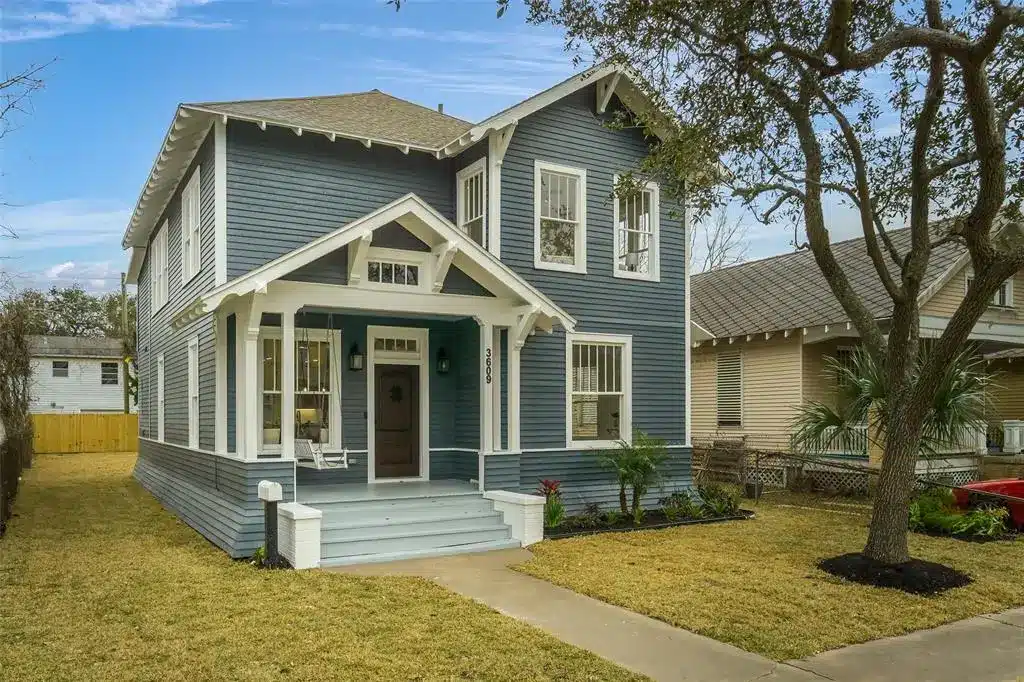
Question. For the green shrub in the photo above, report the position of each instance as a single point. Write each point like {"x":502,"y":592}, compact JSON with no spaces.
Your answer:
{"x":716,"y":500}
{"x":612,"y":517}
{"x":590,"y":517}
{"x":983,"y":522}
{"x":554,"y":509}
{"x":680,"y":506}
{"x":934,"y":511}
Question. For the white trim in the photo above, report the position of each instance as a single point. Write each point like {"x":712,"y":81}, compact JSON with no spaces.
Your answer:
{"x":420,"y":259}
{"x":514,"y":360}
{"x":497,"y":144}
{"x":579,"y":265}
{"x":158,"y":271}
{"x":220,"y":203}
{"x":687,"y":361}
{"x":1008,"y":283}
{"x":478,"y":167}
{"x":527,"y":451}
{"x":422,"y":336}
{"x":486,"y":392}
{"x":989,"y":331}
{"x":626,"y":418}
{"x":191,"y":227}
{"x":160,"y":398}
{"x":654,"y":255}
{"x":414,"y":214}
{"x":496,"y":390}
{"x":605,"y":89}
{"x":193,"y":392}
{"x":220,"y":383}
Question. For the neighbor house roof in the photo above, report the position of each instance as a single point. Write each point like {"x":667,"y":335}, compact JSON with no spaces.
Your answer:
{"x":74,"y":347}
{"x":372,"y":115}
{"x":789,"y":291}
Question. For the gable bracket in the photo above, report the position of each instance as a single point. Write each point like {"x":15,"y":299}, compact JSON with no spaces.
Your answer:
{"x":357,"y":252}
{"x":524,"y":325}
{"x":445,"y":256}
{"x":605,"y":90}
{"x":502,"y":139}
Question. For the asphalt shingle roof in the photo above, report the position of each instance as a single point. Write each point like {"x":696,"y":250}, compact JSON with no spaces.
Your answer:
{"x":789,"y":291}
{"x":374,"y":115}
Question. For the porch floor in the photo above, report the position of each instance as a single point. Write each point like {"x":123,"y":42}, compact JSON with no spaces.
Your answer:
{"x":355,"y":492}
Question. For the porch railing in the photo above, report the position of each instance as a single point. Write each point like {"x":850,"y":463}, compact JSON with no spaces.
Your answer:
{"x":854,"y":442}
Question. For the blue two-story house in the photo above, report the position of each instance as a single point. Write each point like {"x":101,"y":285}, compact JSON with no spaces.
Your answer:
{"x":393,"y":312}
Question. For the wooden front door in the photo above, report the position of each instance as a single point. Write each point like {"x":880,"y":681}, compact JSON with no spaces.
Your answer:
{"x":397,"y":417}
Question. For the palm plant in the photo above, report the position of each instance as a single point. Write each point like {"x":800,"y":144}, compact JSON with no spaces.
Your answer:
{"x":862,"y":398}
{"x":636,"y":465}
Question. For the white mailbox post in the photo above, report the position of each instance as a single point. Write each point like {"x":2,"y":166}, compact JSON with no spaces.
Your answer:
{"x":270,"y":493}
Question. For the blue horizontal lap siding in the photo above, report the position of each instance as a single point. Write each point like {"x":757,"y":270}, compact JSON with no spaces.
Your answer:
{"x":285,"y":190}
{"x":217,"y":496}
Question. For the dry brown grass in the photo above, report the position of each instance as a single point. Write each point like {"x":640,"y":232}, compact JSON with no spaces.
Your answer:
{"x":97,"y":582}
{"x":754,"y":583}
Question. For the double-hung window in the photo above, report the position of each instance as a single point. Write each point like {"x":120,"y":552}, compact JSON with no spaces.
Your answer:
{"x":730,"y":389}
{"x":1003,"y":298}
{"x":59,"y":369}
{"x":599,"y":389}
{"x":108,"y":373}
{"x":158,"y":270}
{"x":471,"y":211}
{"x":190,"y":241}
{"x":560,"y":217}
{"x":193,"y":392}
{"x":635,"y":218}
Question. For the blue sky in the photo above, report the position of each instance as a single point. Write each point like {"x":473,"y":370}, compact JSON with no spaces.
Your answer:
{"x":74,"y":165}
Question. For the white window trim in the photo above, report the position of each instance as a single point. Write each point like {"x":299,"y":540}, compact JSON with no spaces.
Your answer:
{"x":301,"y":334}
{"x":191,"y":238}
{"x":992,"y":304}
{"x":160,"y":404}
{"x":421,"y":259}
{"x":580,"y":266}
{"x":739,"y":353}
{"x":626,"y":420}
{"x":158,"y":271}
{"x":655,"y":256}
{"x":478,"y":166}
{"x":193,"y":392}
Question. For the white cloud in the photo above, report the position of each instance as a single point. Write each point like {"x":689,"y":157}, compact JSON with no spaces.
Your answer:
{"x":40,"y":19}
{"x":62,"y":224}
{"x":100,"y":276}
{"x":58,"y":270}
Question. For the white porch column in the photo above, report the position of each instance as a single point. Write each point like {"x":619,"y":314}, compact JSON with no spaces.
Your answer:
{"x":287,"y":383}
{"x":220,"y":340}
{"x":241,"y":324}
{"x":251,"y":368}
{"x":487,"y":371}
{"x":496,"y":388}
{"x":514,"y":351}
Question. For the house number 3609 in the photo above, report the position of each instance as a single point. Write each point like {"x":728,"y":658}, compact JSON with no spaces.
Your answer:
{"x":487,"y":365}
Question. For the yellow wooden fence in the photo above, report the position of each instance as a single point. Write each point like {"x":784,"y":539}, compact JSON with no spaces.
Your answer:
{"x":87,"y":432}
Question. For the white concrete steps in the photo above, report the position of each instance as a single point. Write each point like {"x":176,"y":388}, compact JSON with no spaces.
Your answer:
{"x":390,"y":527}
{"x":420,"y":554}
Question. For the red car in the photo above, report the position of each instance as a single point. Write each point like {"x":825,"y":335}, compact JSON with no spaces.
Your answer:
{"x":1012,"y":487}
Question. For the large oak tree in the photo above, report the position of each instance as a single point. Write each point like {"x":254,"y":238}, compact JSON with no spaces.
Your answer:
{"x":910,"y":112}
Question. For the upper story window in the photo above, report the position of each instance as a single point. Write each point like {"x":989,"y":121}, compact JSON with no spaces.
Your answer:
{"x":1003,"y":298}
{"x":730,"y":389}
{"x":388,"y":272}
{"x":60,"y":369}
{"x":158,"y":270}
{"x":636,"y":233}
{"x":471,"y":211}
{"x":397,"y":269}
{"x":108,"y":373}
{"x":560,"y":217}
{"x":599,"y":391}
{"x":190,"y":240}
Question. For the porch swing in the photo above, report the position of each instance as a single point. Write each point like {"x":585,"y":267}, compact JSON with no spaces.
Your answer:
{"x":307,"y":420}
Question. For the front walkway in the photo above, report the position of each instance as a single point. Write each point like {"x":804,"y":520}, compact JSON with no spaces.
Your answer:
{"x":978,"y":649}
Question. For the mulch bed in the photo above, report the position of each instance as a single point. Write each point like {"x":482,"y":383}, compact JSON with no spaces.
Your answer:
{"x":915,"y":576}
{"x":653,"y":520}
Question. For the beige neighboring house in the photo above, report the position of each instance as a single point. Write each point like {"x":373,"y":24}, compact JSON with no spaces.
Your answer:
{"x":761,"y":332}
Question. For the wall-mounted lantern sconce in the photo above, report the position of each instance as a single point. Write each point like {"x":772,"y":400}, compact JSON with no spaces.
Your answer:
{"x":355,"y":358}
{"x":443,"y":363}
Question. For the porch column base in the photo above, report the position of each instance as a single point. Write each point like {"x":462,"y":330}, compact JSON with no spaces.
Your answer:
{"x":298,"y":534}
{"x":524,"y":514}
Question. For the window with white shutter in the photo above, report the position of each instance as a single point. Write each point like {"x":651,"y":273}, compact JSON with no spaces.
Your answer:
{"x":471,"y":211}
{"x":599,"y":391}
{"x":190,"y":241}
{"x":158,"y":270}
{"x":730,"y":389}
{"x":193,"y":392}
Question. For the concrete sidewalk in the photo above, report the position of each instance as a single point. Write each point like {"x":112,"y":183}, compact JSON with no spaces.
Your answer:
{"x":983,"y":649}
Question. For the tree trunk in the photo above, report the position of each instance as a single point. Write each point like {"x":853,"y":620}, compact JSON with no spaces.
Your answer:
{"x":887,"y":536}
{"x":622,"y":498}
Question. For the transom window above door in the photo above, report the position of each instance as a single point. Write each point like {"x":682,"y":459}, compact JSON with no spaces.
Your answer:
{"x":636,"y":233}
{"x":471,"y":211}
{"x":560,"y":217}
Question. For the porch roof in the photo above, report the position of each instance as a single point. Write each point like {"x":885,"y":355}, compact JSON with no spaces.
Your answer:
{"x":449,"y":245}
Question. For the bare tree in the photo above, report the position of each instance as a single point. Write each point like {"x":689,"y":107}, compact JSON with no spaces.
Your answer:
{"x":717,"y":242}
{"x":909,"y":111}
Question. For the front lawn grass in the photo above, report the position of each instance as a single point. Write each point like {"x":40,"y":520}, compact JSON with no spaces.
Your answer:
{"x":755,"y":584}
{"x":98,"y":582}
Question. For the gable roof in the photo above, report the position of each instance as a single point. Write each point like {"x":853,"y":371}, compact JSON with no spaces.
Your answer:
{"x":789,"y":291}
{"x":74,"y":347}
{"x":371,"y":117}
{"x":419,"y":218}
